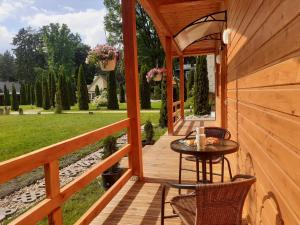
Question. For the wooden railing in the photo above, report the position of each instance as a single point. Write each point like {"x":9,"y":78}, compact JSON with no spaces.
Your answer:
{"x":176,"y":112}
{"x":56,"y":196}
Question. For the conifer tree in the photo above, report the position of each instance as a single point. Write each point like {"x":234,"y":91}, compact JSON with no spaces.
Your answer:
{"x":14,"y":99}
{"x":97,"y":90}
{"x":201,"y":87}
{"x":190,"y":83}
{"x":46,"y":97}
{"x":6,"y":96}
{"x":112,"y":98}
{"x":52,"y":87}
{"x":144,"y":89}
{"x":122,"y":93}
{"x":64,"y":89}
{"x":82,"y":92}
{"x":163,"y":119}
{"x":58,"y":102}
{"x":38,"y":94}
{"x":31,"y":94}
{"x":22,"y":94}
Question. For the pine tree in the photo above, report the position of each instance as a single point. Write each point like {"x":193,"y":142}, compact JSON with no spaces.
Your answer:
{"x":82,"y":92}
{"x":112,"y":98}
{"x":22,"y":94}
{"x":122,"y":93}
{"x":46,"y":97}
{"x":51,"y":87}
{"x":97,"y":90}
{"x":14,"y":99}
{"x":144,"y":88}
{"x":6,"y":96}
{"x":163,"y":119}
{"x":38,"y":94}
{"x":64,"y":90}
{"x":190,"y":83}
{"x":201,"y":87}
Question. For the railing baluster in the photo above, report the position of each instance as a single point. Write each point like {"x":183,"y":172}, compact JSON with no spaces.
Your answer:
{"x":52,"y":190}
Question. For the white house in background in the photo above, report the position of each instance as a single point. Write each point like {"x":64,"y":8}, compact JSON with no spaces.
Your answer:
{"x":98,"y":80}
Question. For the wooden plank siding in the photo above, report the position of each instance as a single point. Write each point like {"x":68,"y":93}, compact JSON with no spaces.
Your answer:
{"x":263,"y":110}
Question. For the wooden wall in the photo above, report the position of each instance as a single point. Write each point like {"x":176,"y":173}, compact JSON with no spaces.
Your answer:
{"x":263,"y":104}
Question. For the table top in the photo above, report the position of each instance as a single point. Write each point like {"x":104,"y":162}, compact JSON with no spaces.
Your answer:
{"x":224,"y":148}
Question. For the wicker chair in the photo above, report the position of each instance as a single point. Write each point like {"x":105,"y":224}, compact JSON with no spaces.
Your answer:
{"x":216,"y":132}
{"x":210,"y":204}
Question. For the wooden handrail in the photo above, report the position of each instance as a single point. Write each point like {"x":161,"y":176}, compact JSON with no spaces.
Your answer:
{"x":176,"y":103}
{"x":26,"y":163}
{"x":48,"y":205}
{"x":176,"y":113}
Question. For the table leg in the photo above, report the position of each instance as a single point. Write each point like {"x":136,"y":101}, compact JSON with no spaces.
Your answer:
{"x":197,"y":169}
{"x":180,"y":169}
{"x":204,"y":170}
{"x":222,"y":170}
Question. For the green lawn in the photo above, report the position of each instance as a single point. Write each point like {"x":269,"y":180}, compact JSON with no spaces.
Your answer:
{"x":23,"y":134}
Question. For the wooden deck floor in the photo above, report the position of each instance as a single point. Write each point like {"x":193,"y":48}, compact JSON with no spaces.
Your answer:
{"x":139,"y":201}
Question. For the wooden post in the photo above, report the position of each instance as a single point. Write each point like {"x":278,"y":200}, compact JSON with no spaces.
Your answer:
{"x":132,"y":86}
{"x":181,"y":63}
{"x":223,"y":85}
{"x":52,"y":190}
{"x":169,"y":85}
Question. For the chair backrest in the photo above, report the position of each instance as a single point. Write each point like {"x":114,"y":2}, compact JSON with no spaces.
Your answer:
{"x":217,"y":132}
{"x":222,"y":203}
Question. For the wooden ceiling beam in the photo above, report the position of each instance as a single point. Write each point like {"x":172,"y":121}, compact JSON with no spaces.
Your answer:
{"x":160,"y":24}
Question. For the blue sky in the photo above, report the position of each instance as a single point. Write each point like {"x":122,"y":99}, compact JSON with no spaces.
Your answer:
{"x":82,"y":16}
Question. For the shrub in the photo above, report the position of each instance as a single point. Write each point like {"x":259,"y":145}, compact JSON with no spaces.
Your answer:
{"x":100,"y":100}
{"x":149,"y":131}
{"x":112,"y":98}
{"x":21,"y":111}
{"x":201,"y":87}
{"x":82,"y":92}
{"x":122,"y":93}
{"x":144,"y":88}
{"x":23,"y":94}
{"x":58,"y":105}
{"x":109,"y":148}
{"x":38,"y":94}
{"x":6,"y":96}
{"x":46,"y":97}
{"x":163,"y":119}
{"x":7,"y":110}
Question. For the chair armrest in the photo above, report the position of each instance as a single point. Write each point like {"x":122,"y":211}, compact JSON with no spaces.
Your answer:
{"x":181,"y":186}
{"x":239,"y":176}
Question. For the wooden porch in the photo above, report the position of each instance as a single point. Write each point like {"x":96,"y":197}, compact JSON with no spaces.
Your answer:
{"x":138,"y":202}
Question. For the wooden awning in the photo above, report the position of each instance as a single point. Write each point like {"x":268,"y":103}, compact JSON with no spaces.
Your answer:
{"x":194,"y":25}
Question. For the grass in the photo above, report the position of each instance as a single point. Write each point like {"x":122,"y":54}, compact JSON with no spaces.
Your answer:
{"x":23,"y":134}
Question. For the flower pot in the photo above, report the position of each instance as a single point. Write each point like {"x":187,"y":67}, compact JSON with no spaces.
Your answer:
{"x":157,"y":77}
{"x":109,"y":178}
{"x":108,"y":65}
{"x":145,"y":142}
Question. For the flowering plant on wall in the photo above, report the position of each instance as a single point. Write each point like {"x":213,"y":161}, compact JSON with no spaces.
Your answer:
{"x":104,"y":55}
{"x":155,"y":74}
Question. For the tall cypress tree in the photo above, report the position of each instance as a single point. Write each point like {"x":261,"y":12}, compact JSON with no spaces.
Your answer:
{"x":144,"y":89}
{"x":97,"y":90}
{"x":122,"y":93}
{"x":58,"y":101}
{"x":22,"y":94}
{"x":70,"y":92}
{"x":190,"y":83}
{"x":38,"y":94}
{"x":112,"y":98}
{"x":14,"y":99}
{"x":6,"y":96}
{"x":82,"y":92}
{"x":163,"y":119}
{"x":201,"y":87}
{"x":46,"y":98}
{"x":52,"y":87}
{"x":31,"y":94}
{"x":27,"y":88}
{"x":64,"y":90}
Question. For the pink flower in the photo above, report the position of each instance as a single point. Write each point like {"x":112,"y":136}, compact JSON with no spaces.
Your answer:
{"x":154,"y":72}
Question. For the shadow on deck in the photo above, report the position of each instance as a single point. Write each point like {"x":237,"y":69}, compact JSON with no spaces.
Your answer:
{"x":139,"y":201}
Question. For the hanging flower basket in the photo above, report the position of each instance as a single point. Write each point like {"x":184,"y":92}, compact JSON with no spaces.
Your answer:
{"x":155,"y":74}
{"x":108,"y":65}
{"x":104,"y":56}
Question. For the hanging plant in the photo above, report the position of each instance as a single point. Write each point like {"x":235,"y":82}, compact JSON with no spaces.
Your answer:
{"x":103,"y":55}
{"x":155,"y":74}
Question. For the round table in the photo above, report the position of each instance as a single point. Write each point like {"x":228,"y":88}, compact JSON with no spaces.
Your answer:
{"x":209,"y":152}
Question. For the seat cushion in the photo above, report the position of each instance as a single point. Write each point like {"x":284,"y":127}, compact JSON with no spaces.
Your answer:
{"x":185,"y":208}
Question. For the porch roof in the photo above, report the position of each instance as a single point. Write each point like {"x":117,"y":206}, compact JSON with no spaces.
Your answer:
{"x":175,"y":18}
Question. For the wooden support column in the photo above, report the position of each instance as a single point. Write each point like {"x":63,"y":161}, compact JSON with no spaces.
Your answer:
{"x":181,"y":63}
{"x":223,"y":86}
{"x":169,"y":85}
{"x":132,"y":86}
{"x":52,"y":190}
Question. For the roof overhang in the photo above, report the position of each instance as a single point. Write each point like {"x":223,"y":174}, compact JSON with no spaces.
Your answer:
{"x":195,"y":26}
